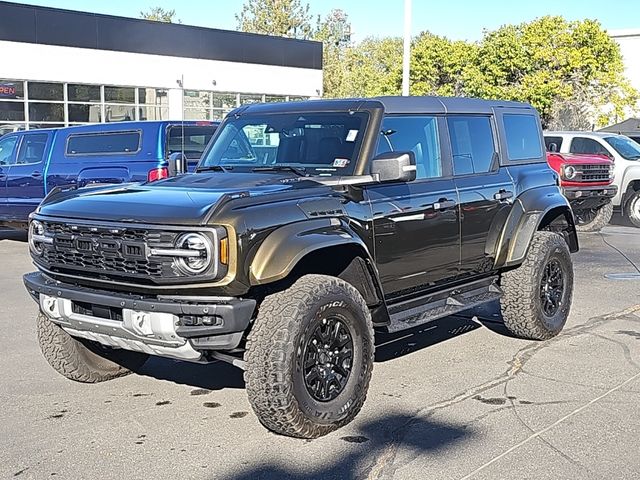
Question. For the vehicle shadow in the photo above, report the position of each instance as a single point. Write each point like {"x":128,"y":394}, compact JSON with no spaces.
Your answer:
{"x":381,"y":440}
{"x":621,"y":221}
{"x":10,"y":234}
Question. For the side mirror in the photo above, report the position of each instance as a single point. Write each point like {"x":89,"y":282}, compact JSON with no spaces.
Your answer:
{"x":553,"y":147}
{"x":177,"y":164}
{"x":394,"y":167}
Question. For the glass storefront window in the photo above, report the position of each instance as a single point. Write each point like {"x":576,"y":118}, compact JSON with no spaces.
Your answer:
{"x":249,"y":99}
{"x":11,"y":111}
{"x":46,"y":91}
{"x":119,"y":95}
{"x":85,"y":113}
{"x":11,"y":90}
{"x":196,"y":114}
{"x":196,"y":99}
{"x":153,"y":96}
{"x":46,"y":112}
{"x":83,"y":93}
{"x":275,"y":98}
{"x":227,"y":101}
{"x":119,"y":113}
{"x":154,"y":113}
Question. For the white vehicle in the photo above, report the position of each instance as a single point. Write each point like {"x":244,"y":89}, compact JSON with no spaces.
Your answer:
{"x":622,"y":150}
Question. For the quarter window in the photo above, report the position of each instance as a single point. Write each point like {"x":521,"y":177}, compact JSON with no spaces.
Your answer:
{"x":587,"y":145}
{"x":32,"y":148}
{"x":523,"y":137}
{"x":414,"y":134}
{"x":472,"y":144}
{"x":104,"y":143}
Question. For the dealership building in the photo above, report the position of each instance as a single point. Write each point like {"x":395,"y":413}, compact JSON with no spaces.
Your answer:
{"x":62,"y":67}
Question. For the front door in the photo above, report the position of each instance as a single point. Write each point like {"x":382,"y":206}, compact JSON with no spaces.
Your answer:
{"x":486,"y":191}
{"x":25,"y":179}
{"x":415,"y":224}
{"x":8,"y":146}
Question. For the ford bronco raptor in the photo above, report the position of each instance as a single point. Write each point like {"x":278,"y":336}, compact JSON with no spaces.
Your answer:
{"x":306,"y":228}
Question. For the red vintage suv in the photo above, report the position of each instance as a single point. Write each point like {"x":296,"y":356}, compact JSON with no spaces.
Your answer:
{"x":586,"y":181}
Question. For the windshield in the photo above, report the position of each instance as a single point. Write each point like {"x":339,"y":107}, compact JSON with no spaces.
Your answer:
{"x":309,"y":143}
{"x":626,"y":147}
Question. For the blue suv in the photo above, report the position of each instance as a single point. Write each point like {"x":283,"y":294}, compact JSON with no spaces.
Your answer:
{"x":32,"y":163}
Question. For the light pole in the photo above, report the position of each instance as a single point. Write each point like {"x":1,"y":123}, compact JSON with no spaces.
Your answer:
{"x":406,"y":54}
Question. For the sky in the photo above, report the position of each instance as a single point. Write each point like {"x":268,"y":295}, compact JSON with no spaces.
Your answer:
{"x":455,"y":19}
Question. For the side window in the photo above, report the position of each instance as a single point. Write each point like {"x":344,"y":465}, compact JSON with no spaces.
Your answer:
{"x":523,"y":137}
{"x":587,"y":145}
{"x":472,"y":144}
{"x":549,"y":143}
{"x":32,"y":148}
{"x":418,"y":135}
{"x":104,"y":143}
{"x":190,"y":140}
{"x":7,"y":145}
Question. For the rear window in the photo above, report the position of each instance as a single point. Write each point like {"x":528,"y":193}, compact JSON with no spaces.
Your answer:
{"x":523,"y":137}
{"x":104,"y":143}
{"x":190,"y":140}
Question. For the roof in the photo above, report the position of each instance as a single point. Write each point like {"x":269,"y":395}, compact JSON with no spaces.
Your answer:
{"x":69,"y":28}
{"x":133,"y":125}
{"x":580,"y":133}
{"x":630,"y":126}
{"x":411,"y":104}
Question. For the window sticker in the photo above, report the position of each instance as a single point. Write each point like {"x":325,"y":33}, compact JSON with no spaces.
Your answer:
{"x":341,"y":162}
{"x":351,"y":136}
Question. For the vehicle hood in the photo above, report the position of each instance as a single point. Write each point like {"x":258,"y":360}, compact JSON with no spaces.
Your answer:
{"x":183,"y":200}
{"x":578,"y":158}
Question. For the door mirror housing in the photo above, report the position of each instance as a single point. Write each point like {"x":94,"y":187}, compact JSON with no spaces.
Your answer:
{"x":394,"y":167}
{"x":177,"y":164}
{"x":553,"y":147}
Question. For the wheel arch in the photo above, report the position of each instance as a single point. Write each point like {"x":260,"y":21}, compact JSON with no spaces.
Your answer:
{"x":537,"y":209}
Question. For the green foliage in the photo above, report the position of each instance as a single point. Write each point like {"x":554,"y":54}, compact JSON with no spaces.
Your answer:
{"x":284,"y":18}
{"x":159,"y":14}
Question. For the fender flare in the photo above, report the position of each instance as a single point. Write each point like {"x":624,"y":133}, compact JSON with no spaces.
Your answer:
{"x":532,"y":210}
{"x":286,"y":246}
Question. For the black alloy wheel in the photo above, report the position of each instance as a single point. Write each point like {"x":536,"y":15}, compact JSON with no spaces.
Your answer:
{"x":328,"y":359}
{"x":551,"y":288}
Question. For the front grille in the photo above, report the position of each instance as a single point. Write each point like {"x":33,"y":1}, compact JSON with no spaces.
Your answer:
{"x":105,"y":251}
{"x":594,"y":173}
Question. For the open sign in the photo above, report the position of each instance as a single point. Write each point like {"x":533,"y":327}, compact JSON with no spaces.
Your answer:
{"x":7,"y":90}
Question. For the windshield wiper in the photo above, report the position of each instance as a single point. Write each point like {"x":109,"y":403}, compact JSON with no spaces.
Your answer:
{"x":213,"y":168}
{"x":282,"y":168}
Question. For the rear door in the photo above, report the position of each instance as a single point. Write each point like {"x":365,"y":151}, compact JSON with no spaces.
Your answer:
{"x":416,"y":225}
{"x":8,"y":147}
{"x":485,"y":190}
{"x":25,"y":178}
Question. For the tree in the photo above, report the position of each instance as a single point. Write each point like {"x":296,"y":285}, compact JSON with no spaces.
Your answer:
{"x":335,"y":34}
{"x":284,"y":18}
{"x":562,"y":68}
{"x":159,"y":14}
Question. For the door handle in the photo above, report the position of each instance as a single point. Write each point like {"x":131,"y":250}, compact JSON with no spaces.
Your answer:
{"x":502,"y":195}
{"x":36,"y":174}
{"x":443,"y":203}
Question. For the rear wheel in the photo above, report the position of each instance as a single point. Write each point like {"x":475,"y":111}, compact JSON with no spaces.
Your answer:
{"x":537,"y":295}
{"x":632,"y":208}
{"x":593,"y":219}
{"x":82,"y":360}
{"x":309,"y":357}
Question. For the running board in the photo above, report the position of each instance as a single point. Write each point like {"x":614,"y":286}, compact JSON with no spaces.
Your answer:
{"x":417,"y":311}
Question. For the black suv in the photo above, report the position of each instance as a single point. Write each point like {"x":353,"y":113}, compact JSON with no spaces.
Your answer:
{"x":307,"y":227}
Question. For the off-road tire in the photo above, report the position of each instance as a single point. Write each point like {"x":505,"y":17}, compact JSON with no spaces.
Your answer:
{"x":521,"y":304}
{"x":601,"y":220}
{"x":632,"y":208}
{"x":274,"y":370}
{"x":81,"y":360}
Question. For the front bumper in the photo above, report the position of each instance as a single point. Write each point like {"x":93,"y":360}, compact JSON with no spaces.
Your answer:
{"x":582,"y":192}
{"x":171,"y":326}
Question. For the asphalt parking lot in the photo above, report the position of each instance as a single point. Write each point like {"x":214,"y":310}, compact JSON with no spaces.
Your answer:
{"x":455,"y":399}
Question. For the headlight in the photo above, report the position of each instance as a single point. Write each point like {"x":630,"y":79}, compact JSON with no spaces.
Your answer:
{"x":569,"y":172}
{"x":197,"y":253}
{"x":36,"y":236}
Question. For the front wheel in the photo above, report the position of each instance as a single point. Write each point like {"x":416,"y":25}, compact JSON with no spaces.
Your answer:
{"x":537,"y":294}
{"x":592,"y":219}
{"x":632,"y":208}
{"x":82,"y":360}
{"x":309,"y":357}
